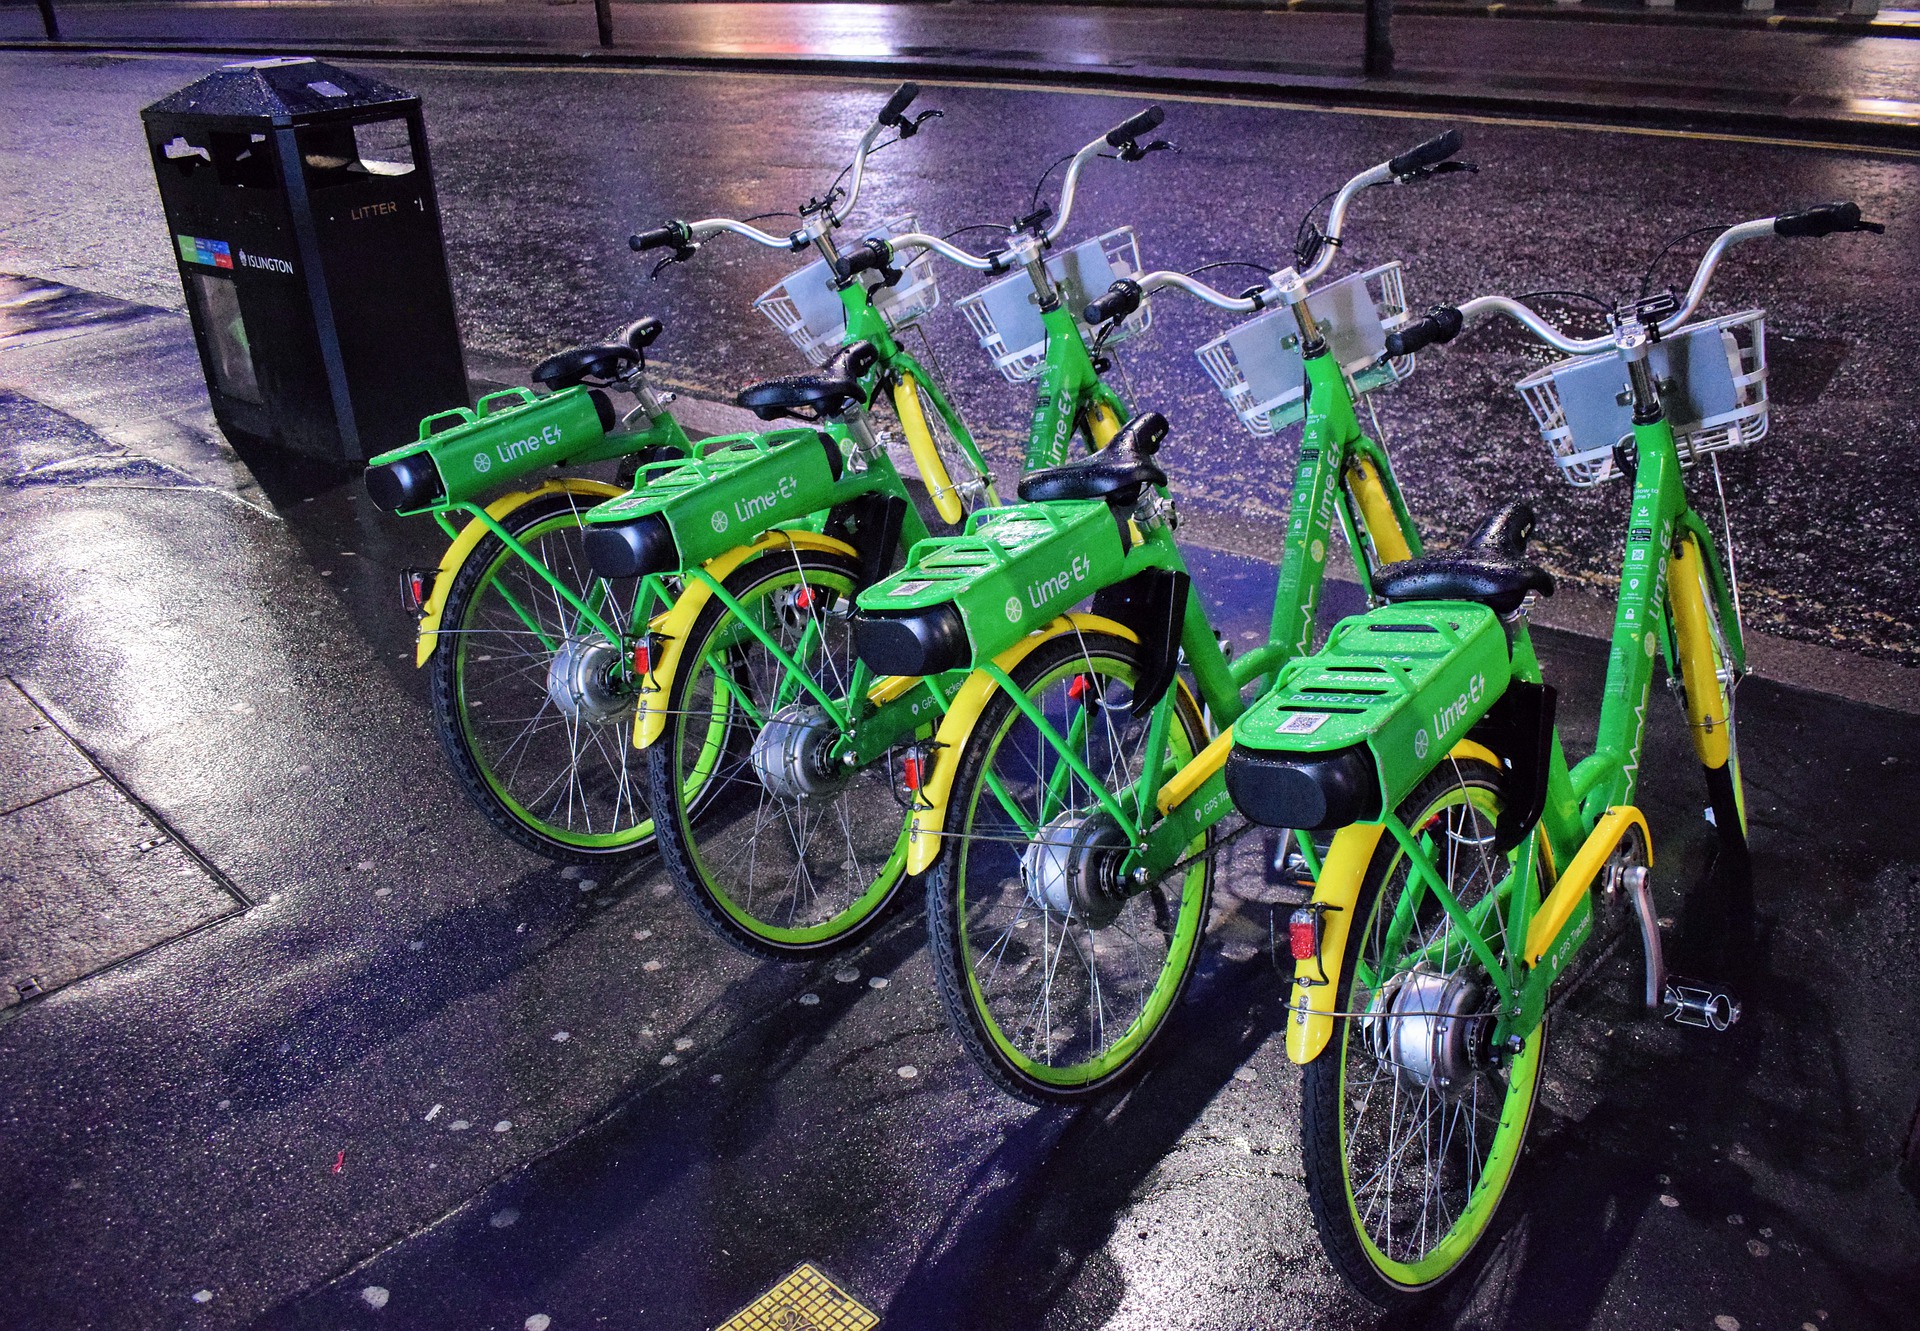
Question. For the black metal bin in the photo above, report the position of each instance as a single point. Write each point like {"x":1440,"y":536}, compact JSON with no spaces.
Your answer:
{"x":304,"y":220}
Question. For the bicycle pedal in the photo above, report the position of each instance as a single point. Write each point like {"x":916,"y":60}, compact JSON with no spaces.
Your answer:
{"x":1689,"y":1003}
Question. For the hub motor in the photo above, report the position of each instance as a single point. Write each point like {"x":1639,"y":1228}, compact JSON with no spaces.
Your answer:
{"x":793,"y":756}
{"x":1072,"y":868}
{"x":1431,"y":1029}
{"x":581,"y":681}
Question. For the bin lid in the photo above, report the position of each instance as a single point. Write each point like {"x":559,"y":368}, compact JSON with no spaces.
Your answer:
{"x":285,"y":90}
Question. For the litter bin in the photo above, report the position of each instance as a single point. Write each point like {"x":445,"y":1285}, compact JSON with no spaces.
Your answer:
{"x":304,"y":221}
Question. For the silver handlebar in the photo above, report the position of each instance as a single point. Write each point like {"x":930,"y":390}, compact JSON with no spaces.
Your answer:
{"x":945,"y":249}
{"x":841,"y":213}
{"x":713,"y":226}
{"x":1696,"y":291}
{"x":1336,"y":221}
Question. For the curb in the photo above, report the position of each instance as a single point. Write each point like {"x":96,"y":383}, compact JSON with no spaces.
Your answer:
{"x":1329,"y":90}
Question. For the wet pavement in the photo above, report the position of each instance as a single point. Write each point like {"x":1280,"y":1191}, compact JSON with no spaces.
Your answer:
{"x":1806,"y":77}
{"x":426,"y":1080}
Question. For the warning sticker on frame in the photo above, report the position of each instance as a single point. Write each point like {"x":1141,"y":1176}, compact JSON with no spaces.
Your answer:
{"x":1303,"y":723}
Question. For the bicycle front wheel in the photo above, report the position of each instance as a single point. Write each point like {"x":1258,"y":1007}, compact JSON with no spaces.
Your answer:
{"x":783,"y":850}
{"x":1056,"y":976}
{"x":528,"y":698}
{"x":1412,"y":1119}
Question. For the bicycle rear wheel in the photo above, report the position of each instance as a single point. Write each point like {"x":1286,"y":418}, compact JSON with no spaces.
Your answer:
{"x":1055,"y":978}
{"x":527,"y":698}
{"x":785,"y":852}
{"x":1412,"y":1120}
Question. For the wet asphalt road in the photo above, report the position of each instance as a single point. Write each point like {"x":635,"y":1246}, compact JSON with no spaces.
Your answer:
{"x":543,"y":175}
{"x":268,"y":1113}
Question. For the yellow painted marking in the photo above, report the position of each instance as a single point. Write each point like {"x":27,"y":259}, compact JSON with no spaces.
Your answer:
{"x":881,"y":80}
{"x":805,"y":1301}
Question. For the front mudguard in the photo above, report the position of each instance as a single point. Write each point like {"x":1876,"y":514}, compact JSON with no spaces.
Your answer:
{"x":936,"y":789}
{"x":669,"y":629}
{"x":469,"y":540}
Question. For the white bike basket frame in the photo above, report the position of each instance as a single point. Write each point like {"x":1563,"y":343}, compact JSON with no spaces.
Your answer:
{"x":1257,"y":365}
{"x":806,"y":306}
{"x":1713,"y":383}
{"x":1006,"y":317}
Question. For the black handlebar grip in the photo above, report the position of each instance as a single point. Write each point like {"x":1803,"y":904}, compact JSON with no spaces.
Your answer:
{"x":1122,"y":299}
{"x":1822,"y":220}
{"x":1132,"y":128}
{"x":1431,"y":153}
{"x":872,"y":254}
{"x":1439,"y":324}
{"x":902,"y":98}
{"x":673,"y":233}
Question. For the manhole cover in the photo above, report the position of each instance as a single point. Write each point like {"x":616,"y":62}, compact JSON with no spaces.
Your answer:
{"x":805,"y":1301}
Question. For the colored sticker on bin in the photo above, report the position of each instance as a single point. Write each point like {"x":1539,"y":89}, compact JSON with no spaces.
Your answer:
{"x":213,"y":253}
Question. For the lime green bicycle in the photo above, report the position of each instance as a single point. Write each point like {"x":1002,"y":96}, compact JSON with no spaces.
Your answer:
{"x":772,"y":753}
{"x":1067,"y":811}
{"x":1459,"y":887}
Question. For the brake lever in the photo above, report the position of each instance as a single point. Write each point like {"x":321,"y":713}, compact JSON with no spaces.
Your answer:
{"x":681,"y":253}
{"x":906,"y":128}
{"x":1133,"y":152}
{"x":1447,"y":168}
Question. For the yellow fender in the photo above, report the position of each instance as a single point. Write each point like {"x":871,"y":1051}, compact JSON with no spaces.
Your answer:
{"x":933,"y":471}
{"x":1102,"y":424}
{"x":672,"y":625}
{"x":472,"y":534}
{"x":1707,"y":712}
{"x":1341,"y":874}
{"x":930,"y":814}
{"x":1376,"y":512}
{"x":1559,"y":905}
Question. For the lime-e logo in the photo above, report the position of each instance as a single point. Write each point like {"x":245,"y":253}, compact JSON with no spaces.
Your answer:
{"x":1452,"y":714}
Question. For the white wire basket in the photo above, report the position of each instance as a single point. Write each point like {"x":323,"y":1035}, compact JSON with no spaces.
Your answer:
{"x":1713,"y":383}
{"x":806,"y":306}
{"x":1006,"y":314}
{"x":1257,"y":365}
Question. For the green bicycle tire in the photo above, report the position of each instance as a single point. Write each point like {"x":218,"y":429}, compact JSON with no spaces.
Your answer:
{"x":714,"y":845}
{"x":1356,"y":1200}
{"x":479,"y":631}
{"x":976,"y":904}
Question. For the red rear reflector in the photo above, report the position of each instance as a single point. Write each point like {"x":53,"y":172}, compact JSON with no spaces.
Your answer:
{"x":912,"y":772}
{"x":415,"y":587}
{"x":1303,"y":933}
{"x":642,"y":658}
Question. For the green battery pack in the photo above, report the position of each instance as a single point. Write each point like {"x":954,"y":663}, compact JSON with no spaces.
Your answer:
{"x":962,"y":600}
{"x":461,"y":453}
{"x":1349,"y":731}
{"x":740,"y":486}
